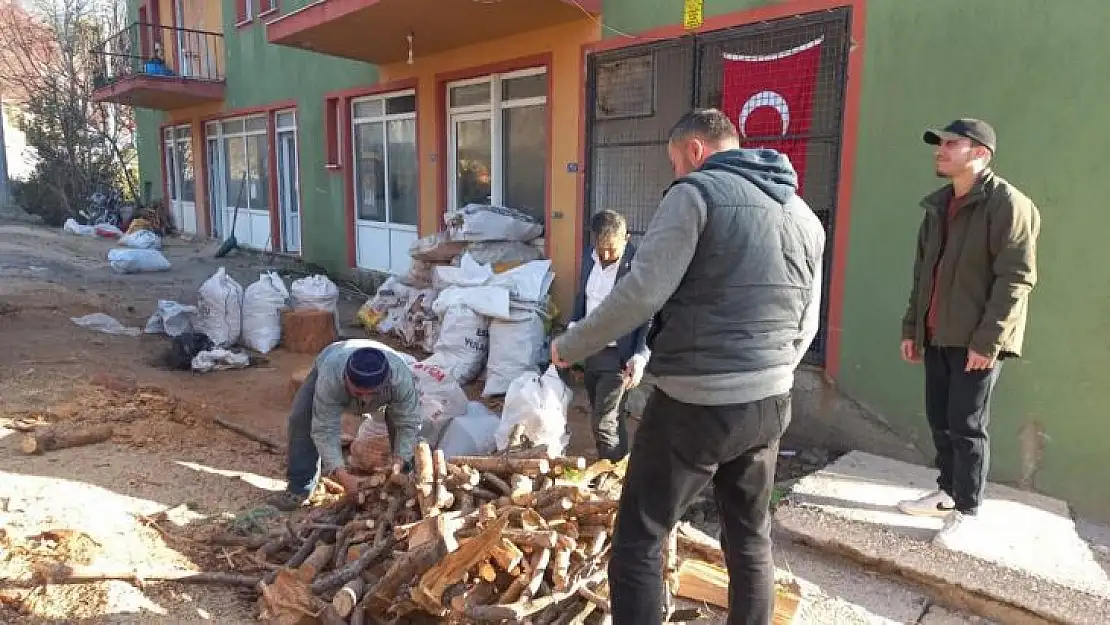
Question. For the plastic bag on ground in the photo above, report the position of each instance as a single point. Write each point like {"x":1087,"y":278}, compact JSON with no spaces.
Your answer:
{"x":262,"y":305}
{"x":371,"y":449}
{"x":221,"y":309}
{"x":171,"y":319}
{"x":107,"y":231}
{"x":104,"y":323}
{"x":516,"y":347}
{"x":540,"y":402}
{"x":219,"y":360}
{"x":141,"y":239}
{"x":316,"y":292}
{"x":73,"y":227}
{"x":127,"y":260}
{"x":481,"y":222}
{"x":463,"y":344}
{"x":470,"y":434}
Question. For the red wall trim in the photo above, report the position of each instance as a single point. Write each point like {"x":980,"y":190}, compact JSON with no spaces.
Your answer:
{"x":332,"y":159}
{"x":545,"y":60}
{"x":842,"y":223}
{"x":343,"y":144}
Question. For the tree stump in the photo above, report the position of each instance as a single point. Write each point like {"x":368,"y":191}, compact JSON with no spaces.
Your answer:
{"x":307,"y":331}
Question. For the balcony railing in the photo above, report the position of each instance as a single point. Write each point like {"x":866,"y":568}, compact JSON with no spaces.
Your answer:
{"x":151,"y":50}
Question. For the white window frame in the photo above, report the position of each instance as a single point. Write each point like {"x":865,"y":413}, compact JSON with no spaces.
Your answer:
{"x":383,"y":118}
{"x":218,"y":127}
{"x":296,"y":190}
{"x":494,"y":109}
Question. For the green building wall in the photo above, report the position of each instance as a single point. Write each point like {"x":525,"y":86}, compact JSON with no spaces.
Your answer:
{"x":258,"y":74}
{"x":1036,"y":70}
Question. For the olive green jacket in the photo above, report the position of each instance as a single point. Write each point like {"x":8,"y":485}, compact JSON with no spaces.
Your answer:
{"x":985,"y":274}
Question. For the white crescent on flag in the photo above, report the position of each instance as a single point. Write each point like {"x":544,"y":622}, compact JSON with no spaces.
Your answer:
{"x":768,"y":98}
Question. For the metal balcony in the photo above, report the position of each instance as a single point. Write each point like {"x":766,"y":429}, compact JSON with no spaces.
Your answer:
{"x":160,"y":67}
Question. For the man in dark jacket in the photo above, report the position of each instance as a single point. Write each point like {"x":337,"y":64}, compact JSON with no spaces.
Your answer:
{"x":620,"y":366}
{"x":974,"y":268}
{"x":730,"y":269}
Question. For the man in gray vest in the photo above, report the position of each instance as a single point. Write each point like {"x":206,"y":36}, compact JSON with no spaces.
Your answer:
{"x":730,"y":269}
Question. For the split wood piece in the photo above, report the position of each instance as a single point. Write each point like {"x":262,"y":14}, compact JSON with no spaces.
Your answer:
{"x":487,"y":572}
{"x":464,"y":478}
{"x":439,"y":466}
{"x":498,"y":483}
{"x":524,"y":466}
{"x":428,"y":592}
{"x":560,"y":574}
{"x":317,"y":560}
{"x":539,"y":451}
{"x":705,"y":547}
{"x":348,"y":597}
{"x":52,"y":440}
{"x":429,"y":529}
{"x":538,"y":564}
{"x":352,"y":570}
{"x":386,"y":520}
{"x":424,"y":478}
{"x":596,"y":507}
{"x":480,"y":593}
{"x":558,"y":509}
{"x":540,"y":539}
{"x":346,"y":537}
{"x":444,"y":499}
{"x":483,"y":494}
{"x":546,"y":497}
{"x":513,"y":593}
{"x":67,"y":574}
{"x":307,"y":331}
{"x":597,"y":598}
{"x":507,"y":556}
{"x":407,"y":566}
{"x":521,"y":486}
{"x":519,"y":610}
{"x":267,"y":442}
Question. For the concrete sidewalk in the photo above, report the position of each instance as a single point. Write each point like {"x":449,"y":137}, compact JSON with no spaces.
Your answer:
{"x":1031,"y":566}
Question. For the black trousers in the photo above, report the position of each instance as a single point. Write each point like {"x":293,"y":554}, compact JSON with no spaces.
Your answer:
{"x":604,"y":379}
{"x":679,"y":449}
{"x":957,"y":405}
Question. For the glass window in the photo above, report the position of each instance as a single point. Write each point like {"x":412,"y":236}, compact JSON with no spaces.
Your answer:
{"x":258,"y":174}
{"x":370,"y":171}
{"x":235,"y":172}
{"x":256,"y":124}
{"x":286,"y":119}
{"x":212,"y":128}
{"x":233,"y":126}
{"x":183,"y":132}
{"x":171,"y":171}
{"x":534,"y":86}
{"x":470,"y":95}
{"x":287,"y":170}
{"x":400,"y":105}
{"x":473,"y":162}
{"x":368,"y":108}
{"x":524,"y":155}
{"x":184,"y":158}
{"x":404,"y":190}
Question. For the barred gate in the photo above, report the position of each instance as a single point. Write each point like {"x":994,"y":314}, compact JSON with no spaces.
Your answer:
{"x":784,"y":79}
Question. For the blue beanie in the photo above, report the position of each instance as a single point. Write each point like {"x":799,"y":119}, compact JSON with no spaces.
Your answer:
{"x":367,"y":368}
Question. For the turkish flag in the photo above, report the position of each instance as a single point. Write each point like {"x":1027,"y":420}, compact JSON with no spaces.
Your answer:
{"x":770,"y":99}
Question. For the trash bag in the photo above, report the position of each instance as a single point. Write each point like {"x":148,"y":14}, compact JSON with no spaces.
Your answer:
{"x":262,"y":305}
{"x":221,"y":309}
{"x":141,"y":239}
{"x":107,"y":231}
{"x":516,"y":347}
{"x":482,"y":222}
{"x":471,"y":433}
{"x":462,"y":345}
{"x":171,"y":319}
{"x":104,"y":323}
{"x":503,"y":255}
{"x":441,"y":398}
{"x":184,"y":348}
{"x":126,"y":260}
{"x":220,"y":360}
{"x":540,"y":402}
{"x":316,"y":292}
{"x":391,"y":296}
{"x":71,"y":226}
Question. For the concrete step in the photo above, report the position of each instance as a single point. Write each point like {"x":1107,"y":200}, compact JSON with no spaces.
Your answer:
{"x":1030,"y":566}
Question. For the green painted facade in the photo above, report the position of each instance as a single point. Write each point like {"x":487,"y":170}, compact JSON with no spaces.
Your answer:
{"x":258,"y":74}
{"x":1035,"y":69}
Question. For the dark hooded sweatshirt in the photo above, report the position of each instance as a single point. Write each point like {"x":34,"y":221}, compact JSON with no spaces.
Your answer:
{"x":736,"y":303}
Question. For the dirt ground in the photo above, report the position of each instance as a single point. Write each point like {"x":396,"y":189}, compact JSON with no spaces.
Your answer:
{"x":169,"y":477}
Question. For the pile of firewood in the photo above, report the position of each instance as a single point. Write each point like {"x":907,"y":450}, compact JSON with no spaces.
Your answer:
{"x":512,"y":538}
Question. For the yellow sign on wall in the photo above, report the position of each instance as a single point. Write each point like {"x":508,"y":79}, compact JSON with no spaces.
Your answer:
{"x":692,"y":13}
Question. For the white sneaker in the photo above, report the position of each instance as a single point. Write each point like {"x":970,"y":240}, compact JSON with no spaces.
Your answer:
{"x":935,"y":504}
{"x":958,"y":533}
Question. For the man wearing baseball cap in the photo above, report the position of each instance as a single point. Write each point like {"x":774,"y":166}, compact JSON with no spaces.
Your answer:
{"x":356,"y":370}
{"x":974,"y":267}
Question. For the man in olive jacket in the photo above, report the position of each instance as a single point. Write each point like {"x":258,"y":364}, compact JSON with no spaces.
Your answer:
{"x":974,"y":269}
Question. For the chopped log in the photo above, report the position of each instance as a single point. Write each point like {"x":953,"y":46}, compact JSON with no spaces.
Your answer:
{"x":407,"y":566}
{"x":462,"y":477}
{"x":519,"y":610}
{"x":268,"y":443}
{"x":431,"y":528}
{"x":428,"y":592}
{"x":68,"y":574}
{"x":597,"y":598}
{"x":350,"y":571}
{"x":538,"y":564}
{"x":705,"y":547}
{"x":532,"y":538}
{"x":507,"y":556}
{"x":317,"y":560}
{"x":576,"y":463}
{"x":348,"y":597}
{"x":557,"y":509}
{"x":487,"y":572}
{"x":539,"y":451}
{"x":596,"y":507}
{"x":479,"y":593}
{"x":514,"y":591}
{"x":423,"y":463}
{"x":701,"y":581}
{"x":307,"y":331}
{"x":524,"y":466}
{"x":53,"y":440}
{"x":439,"y":466}
{"x":521,"y":487}
{"x":498,"y":483}
{"x":546,"y":497}
{"x":444,"y":499}
{"x":560,"y":574}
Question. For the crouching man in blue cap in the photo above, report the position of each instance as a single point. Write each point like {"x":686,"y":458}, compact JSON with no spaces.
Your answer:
{"x":360,"y":371}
